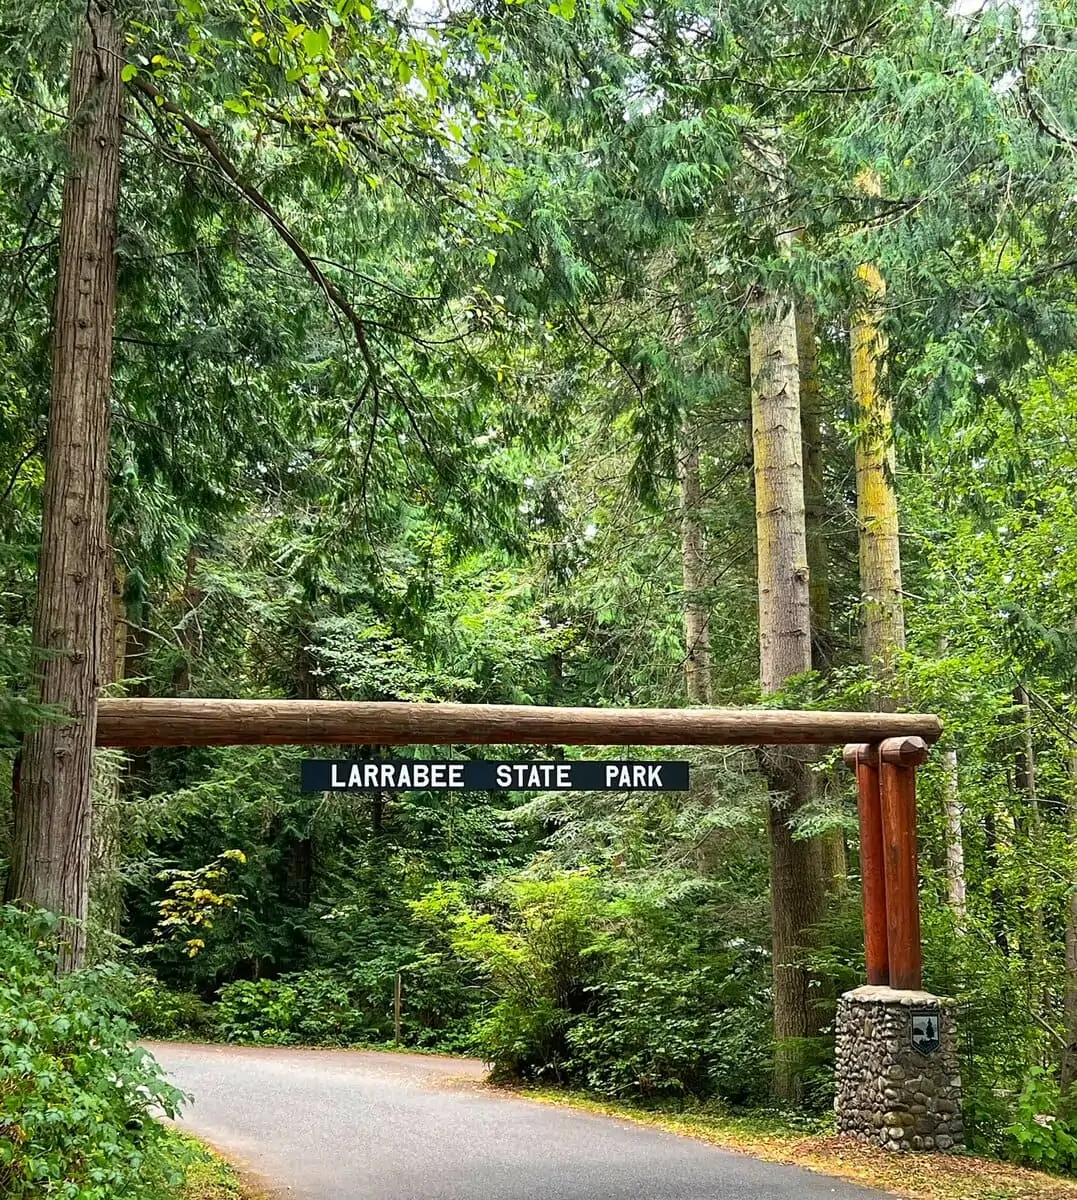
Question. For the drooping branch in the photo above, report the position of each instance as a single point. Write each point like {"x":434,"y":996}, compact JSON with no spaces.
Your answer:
{"x":208,"y":141}
{"x":1042,"y":122}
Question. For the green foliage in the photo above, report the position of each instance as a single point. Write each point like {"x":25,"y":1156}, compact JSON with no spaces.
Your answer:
{"x":75,"y":1096}
{"x":603,"y":985}
{"x":193,"y":901}
{"x":539,"y":962}
{"x":310,"y":1007}
{"x":159,"y":1012}
{"x":441,"y":466}
{"x":1037,"y":1136}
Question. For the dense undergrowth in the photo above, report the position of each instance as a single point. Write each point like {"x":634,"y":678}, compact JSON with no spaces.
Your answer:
{"x":79,"y":1100}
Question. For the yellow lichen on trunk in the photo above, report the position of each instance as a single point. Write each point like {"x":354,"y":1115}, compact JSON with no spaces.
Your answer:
{"x":882,"y":613}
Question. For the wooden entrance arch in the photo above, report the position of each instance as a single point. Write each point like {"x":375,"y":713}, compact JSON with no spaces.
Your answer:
{"x":884,"y":749}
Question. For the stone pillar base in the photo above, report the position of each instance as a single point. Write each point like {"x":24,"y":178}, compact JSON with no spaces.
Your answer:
{"x":897,"y":1073}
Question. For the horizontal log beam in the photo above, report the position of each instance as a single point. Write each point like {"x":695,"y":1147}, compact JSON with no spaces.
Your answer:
{"x":137,"y":723}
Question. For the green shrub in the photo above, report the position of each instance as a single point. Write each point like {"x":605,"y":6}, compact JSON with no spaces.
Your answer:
{"x":597,"y":985}
{"x":537,"y":954}
{"x":75,"y":1095}
{"x":160,"y":1012}
{"x":1036,"y":1137}
{"x":664,"y":1025}
{"x":310,"y":1006}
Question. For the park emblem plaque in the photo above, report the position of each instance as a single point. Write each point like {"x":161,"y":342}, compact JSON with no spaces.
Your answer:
{"x":574,"y":775}
{"x":924,"y":1029}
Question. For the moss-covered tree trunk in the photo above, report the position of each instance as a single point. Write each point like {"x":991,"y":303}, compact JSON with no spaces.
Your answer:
{"x":882,"y":605}
{"x":51,"y":847}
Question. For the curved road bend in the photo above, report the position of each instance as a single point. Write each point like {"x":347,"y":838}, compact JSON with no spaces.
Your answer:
{"x":350,"y":1125}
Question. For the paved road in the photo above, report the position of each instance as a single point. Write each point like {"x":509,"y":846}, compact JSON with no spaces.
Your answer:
{"x":349,"y":1125}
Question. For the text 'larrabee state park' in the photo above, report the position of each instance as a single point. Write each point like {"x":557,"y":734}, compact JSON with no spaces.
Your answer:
{"x":404,"y":775}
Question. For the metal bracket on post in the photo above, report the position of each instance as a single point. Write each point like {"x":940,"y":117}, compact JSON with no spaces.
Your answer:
{"x":864,"y":761}
{"x":898,"y":760}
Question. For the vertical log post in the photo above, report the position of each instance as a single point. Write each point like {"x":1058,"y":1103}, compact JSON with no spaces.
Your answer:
{"x":898,"y":760}
{"x":864,"y":761}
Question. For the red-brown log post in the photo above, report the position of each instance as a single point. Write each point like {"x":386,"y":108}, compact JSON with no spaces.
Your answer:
{"x":864,"y":761}
{"x":898,"y":759}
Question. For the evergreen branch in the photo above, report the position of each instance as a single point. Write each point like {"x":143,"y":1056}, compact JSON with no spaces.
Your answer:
{"x":378,"y":283}
{"x":611,"y":354}
{"x":1041,"y":122}
{"x":206,"y":139}
{"x":34,"y":449}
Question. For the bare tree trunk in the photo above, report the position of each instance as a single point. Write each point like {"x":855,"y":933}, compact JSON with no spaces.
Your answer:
{"x":998,"y":900}
{"x":697,"y":663}
{"x":784,"y":651}
{"x":188,"y":629}
{"x":811,"y":440}
{"x":1024,"y":778}
{"x":51,"y":848}
{"x":1069,"y":1054}
{"x":882,"y":610}
{"x":955,"y":845}
{"x":832,"y":842}
{"x":953,"y":815}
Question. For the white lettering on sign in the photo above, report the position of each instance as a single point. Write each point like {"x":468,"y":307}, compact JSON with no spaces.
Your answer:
{"x":561,"y":775}
{"x":634,"y":775}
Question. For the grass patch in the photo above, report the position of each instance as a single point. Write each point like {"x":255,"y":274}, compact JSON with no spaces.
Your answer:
{"x":207,"y":1176}
{"x":810,"y":1142}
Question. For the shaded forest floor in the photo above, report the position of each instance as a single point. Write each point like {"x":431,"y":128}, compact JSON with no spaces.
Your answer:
{"x":914,"y":1176}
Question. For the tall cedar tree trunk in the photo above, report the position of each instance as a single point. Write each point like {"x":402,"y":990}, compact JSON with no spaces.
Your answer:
{"x":882,"y":611}
{"x":51,"y":847}
{"x":784,"y":650}
{"x":697,"y":661}
{"x":832,"y":842}
{"x":106,"y":894}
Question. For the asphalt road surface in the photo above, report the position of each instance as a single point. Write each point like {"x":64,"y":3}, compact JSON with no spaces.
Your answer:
{"x":350,"y":1125}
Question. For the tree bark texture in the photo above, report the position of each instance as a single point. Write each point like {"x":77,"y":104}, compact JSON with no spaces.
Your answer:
{"x":697,"y":662}
{"x":953,"y":816}
{"x":811,"y":441}
{"x":51,"y":850}
{"x":832,"y":842}
{"x":955,"y":844}
{"x":150,"y":721}
{"x":882,"y":609}
{"x":797,"y":892}
{"x":1068,"y":1074}
{"x":106,"y":890}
